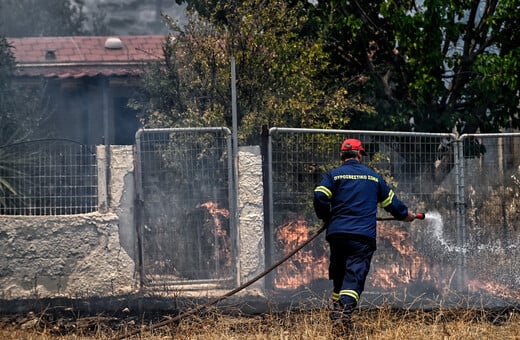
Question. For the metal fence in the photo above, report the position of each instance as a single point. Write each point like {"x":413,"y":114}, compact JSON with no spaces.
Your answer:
{"x":430,"y":173}
{"x":469,"y":187}
{"x":48,"y":177}
{"x":490,"y":212}
{"x":185,"y":188}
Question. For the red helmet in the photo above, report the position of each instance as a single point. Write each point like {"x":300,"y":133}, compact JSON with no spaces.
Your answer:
{"x":353,"y":144}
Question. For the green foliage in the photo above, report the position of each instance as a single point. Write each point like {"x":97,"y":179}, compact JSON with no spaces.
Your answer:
{"x":280,"y":72}
{"x":380,"y":162}
{"x":20,"y":110}
{"x":448,"y":64}
{"x":21,"y":113}
{"x":7,"y":64}
{"x":434,"y":65}
{"x":6,"y":69}
{"x":188,"y":89}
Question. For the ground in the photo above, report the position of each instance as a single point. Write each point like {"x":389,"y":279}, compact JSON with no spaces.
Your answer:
{"x":374,"y":323}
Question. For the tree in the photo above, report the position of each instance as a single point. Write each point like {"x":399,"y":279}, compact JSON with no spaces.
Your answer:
{"x":449,"y":65}
{"x":279,"y":71}
{"x":21,"y":110}
{"x":21,"y":113}
{"x":6,"y":69}
{"x":185,"y":89}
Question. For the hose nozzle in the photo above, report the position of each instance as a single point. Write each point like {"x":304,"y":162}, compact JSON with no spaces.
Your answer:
{"x":420,"y":216}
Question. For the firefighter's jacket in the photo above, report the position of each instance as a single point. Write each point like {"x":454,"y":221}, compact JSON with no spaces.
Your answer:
{"x":347,"y":199}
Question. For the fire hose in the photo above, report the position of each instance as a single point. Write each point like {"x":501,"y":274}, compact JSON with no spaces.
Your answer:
{"x":420,"y":216}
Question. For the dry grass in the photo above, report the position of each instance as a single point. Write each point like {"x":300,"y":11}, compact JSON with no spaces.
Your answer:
{"x":377,"y":323}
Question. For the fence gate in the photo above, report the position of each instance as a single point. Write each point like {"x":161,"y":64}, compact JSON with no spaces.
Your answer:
{"x":185,"y":193}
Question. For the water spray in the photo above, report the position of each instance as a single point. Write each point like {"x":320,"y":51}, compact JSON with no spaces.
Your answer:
{"x":437,"y":229}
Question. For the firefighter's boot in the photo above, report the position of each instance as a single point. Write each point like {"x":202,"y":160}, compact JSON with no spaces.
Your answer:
{"x":341,"y":317}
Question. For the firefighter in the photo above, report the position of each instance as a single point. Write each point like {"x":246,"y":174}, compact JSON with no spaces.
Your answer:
{"x":346,"y":200}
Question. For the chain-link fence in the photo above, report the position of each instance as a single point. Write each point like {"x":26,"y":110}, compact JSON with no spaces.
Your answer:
{"x":185,"y":188}
{"x":468,"y":186}
{"x":48,"y":177}
{"x":427,"y":172}
{"x":490,"y":198}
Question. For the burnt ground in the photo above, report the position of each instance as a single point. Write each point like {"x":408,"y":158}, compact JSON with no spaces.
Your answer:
{"x":113,"y":315}
{"x":65,"y":321}
{"x":62,"y":316}
{"x":89,"y":317}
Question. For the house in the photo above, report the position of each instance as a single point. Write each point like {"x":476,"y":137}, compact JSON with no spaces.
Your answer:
{"x":89,"y":82}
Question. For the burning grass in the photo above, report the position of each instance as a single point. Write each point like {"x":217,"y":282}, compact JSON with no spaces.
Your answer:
{"x":382,"y":322}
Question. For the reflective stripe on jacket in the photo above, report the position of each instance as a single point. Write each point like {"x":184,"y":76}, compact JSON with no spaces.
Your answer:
{"x":348,"y":196}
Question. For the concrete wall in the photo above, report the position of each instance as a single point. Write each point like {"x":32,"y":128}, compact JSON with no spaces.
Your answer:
{"x":250,"y":214}
{"x":68,"y":256}
{"x":75,"y":255}
{"x":95,"y":254}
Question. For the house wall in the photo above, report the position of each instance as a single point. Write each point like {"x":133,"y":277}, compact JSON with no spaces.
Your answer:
{"x":91,"y":110}
{"x":76,"y":110}
{"x":95,"y":254}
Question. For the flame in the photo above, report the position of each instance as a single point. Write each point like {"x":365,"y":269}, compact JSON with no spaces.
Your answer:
{"x":304,"y":266}
{"x":493,"y":288}
{"x":223,"y":250}
{"x":403,"y":264}
{"x":408,"y":266}
{"x":214,"y":211}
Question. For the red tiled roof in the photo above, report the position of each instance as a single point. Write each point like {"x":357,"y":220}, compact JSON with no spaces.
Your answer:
{"x":84,"y":56}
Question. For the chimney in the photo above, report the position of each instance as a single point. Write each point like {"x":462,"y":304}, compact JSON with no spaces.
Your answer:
{"x":50,"y":55}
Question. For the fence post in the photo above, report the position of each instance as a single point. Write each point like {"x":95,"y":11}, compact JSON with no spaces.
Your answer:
{"x":102,"y":178}
{"x":266,"y":176}
{"x":460,"y":209}
{"x":139,"y":207}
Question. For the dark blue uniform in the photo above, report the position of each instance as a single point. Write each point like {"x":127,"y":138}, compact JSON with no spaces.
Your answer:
{"x":347,"y":199}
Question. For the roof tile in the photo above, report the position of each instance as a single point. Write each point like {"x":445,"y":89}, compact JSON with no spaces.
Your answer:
{"x":84,"y":55}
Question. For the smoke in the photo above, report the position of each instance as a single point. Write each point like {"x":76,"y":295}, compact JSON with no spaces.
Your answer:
{"x":129,"y":17}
